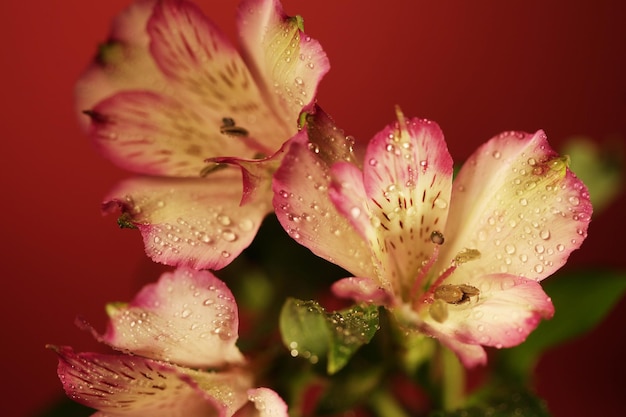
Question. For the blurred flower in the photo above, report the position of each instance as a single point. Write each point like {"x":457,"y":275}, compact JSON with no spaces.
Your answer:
{"x":169,"y":97}
{"x":458,"y":261}
{"x":178,"y":337}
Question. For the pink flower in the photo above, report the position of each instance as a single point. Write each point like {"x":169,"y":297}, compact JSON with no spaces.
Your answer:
{"x":178,"y":337}
{"x":460,"y":261}
{"x":168,"y":92}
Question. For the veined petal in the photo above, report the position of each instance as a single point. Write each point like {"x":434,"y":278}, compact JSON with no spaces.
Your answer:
{"x":122,"y":62}
{"x":517,"y":203}
{"x":402,"y":199}
{"x":188,"y":318}
{"x":126,"y":386}
{"x":263,"y":403}
{"x":287,"y":63}
{"x":305,"y":211}
{"x":507,"y":309}
{"x":197,"y":223}
{"x":197,"y":57}
{"x":150,"y":133}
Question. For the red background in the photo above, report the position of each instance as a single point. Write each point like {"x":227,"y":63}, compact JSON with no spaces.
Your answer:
{"x":477,"y":68}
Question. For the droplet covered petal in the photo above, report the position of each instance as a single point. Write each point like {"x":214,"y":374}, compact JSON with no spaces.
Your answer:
{"x":517,"y":203}
{"x":400,"y":199}
{"x":188,"y":317}
{"x":131,"y":386}
{"x":301,"y":199}
{"x":197,"y":223}
{"x":287,"y":62}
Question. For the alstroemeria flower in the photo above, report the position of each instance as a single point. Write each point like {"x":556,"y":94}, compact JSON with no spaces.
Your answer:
{"x":169,"y":97}
{"x":460,"y":261}
{"x":180,"y":357}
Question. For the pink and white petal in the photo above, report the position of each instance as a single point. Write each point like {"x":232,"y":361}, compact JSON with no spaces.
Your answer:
{"x":347,"y":192}
{"x":263,"y":402}
{"x":127,"y":386}
{"x":287,"y":62}
{"x":150,"y":133}
{"x":361,"y":289}
{"x":197,"y":223}
{"x":123,"y":62}
{"x":507,"y":309}
{"x":188,"y":318}
{"x":471,"y":355}
{"x":516,"y":202}
{"x":211,"y":75}
{"x":408,"y":178}
{"x":305,"y":211}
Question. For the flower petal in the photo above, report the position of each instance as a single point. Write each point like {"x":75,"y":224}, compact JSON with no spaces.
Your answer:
{"x":402,"y":198}
{"x":122,"y":62}
{"x":288,"y":63}
{"x":188,"y":318}
{"x":305,"y":211}
{"x":197,"y":223}
{"x":150,"y":133}
{"x":205,"y":68}
{"x":123,"y":385}
{"x":507,"y":309}
{"x":517,"y":203}
{"x":263,"y":403}
{"x":362,"y":289}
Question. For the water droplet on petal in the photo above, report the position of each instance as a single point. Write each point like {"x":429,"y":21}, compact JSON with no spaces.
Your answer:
{"x":355,"y":212}
{"x":224,"y":219}
{"x":574,"y":200}
{"x":496,"y":154}
{"x":441,"y":203}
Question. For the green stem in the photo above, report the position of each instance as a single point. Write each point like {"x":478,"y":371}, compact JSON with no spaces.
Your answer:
{"x":453,"y":384}
{"x":384,"y":404}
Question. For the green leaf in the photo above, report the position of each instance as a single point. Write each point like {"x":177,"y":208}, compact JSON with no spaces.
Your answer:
{"x":304,"y":329}
{"x":504,"y":401}
{"x":581,"y":300}
{"x":309,"y":331}
{"x":350,"y":329}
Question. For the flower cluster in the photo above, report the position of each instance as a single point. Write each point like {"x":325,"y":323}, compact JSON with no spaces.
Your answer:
{"x":222,"y":137}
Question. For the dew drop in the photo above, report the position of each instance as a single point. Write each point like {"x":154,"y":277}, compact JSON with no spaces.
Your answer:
{"x":355,"y":212}
{"x":544,"y":234}
{"x":224,"y":220}
{"x":229,"y":236}
{"x":538,"y":268}
{"x":225,"y":254}
{"x":441,"y":203}
{"x":186,"y":313}
{"x":574,"y":200}
{"x":539,"y":249}
{"x":373,"y":162}
{"x":523,"y":202}
{"x":496,"y":154}
{"x":510,"y":249}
